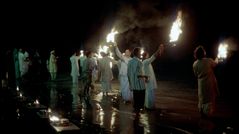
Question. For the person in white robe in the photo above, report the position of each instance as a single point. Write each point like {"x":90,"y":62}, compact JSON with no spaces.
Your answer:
{"x":89,"y":65}
{"x":105,"y":74}
{"x":53,"y":65}
{"x":75,"y":67}
{"x":151,"y":84}
{"x":24,"y":62}
{"x":126,"y":93}
{"x":207,"y":83}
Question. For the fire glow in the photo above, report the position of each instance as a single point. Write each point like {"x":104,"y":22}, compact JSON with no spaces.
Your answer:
{"x":222,"y":51}
{"x":111,"y":36}
{"x":176,"y":28}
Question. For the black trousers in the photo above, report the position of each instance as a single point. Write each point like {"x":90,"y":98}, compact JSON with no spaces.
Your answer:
{"x":139,"y":98}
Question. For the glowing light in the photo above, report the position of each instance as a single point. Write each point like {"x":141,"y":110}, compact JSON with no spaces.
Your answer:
{"x":49,"y":110}
{"x":102,"y":49}
{"x":17,"y":88}
{"x":54,"y":118}
{"x":176,"y":28}
{"x":111,"y":36}
{"x":141,"y":53}
{"x":36,"y":102}
{"x":81,"y":53}
{"x":222,"y":51}
{"x":20,"y":95}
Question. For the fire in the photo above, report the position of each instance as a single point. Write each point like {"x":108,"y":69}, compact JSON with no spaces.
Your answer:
{"x":176,"y":28}
{"x":141,"y":53}
{"x":102,"y":49}
{"x":222,"y":51}
{"x":36,"y":102}
{"x":111,"y":36}
{"x":54,"y":118}
{"x":81,"y":53}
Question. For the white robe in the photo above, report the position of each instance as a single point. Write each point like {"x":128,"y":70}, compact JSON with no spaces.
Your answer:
{"x":207,"y":84}
{"x":151,"y":85}
{"x":123,"y":77}
{"x":106,"y":74}
{"x":23,"y":62}
{"x":52,"y":64}
{"x":74,"y":68}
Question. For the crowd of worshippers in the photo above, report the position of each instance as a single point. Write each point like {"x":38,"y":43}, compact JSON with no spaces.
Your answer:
{"x":136,"y":76}
{"x":87,"y":69}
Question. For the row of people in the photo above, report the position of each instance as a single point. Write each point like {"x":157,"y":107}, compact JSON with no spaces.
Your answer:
{"x":137,"y":78}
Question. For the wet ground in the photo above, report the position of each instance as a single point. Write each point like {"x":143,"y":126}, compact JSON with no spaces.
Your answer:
{"x":176,"y":110}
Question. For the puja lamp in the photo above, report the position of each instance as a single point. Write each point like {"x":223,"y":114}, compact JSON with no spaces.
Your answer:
{"x":141,"y":53}
{"x":222,"y":51}
{"x":36,"y":102}
{"x":54,"y":119}
{"x":176,"y":29}
{"x":81,"y":53}
{"x":20,"y":95}
{"x":111,"y":36}
{"x":17,"y":88}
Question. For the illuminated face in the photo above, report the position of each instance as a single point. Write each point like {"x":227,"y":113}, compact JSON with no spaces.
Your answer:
{"x":127,"y":52}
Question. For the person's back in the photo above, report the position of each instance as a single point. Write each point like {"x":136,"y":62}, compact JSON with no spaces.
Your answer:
{"x":134,"y":71}
{"x":204,"y":68}
{"x":207,"y":83}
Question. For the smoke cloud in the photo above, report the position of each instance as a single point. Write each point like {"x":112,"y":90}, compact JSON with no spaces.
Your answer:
{"x":141,"y":15}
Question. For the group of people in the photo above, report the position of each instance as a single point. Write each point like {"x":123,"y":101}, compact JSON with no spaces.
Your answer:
{"x":137,"y":78}
{"x":136,"y":75}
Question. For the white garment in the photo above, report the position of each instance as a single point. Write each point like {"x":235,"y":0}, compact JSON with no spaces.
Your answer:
{"x":151,"y":85}
{"x":74,"y":68}
{"x":23,"y":62}
{"x":106,"y":74}
{"x":82,"y":59}
{"x":207,"y":83}
{"x":124,"y":62}
{"x":52,"y":64}
{"x":123,"y":78}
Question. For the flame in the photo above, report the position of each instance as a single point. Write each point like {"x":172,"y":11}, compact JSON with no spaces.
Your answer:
{"x":111,"y":64}
{"x":81,"y":53}
{"x":54,"y":118}
{"x":176,"y":28}
{"x":20,"y":95}
{"x":222,"y":51}
{"x":141,"y":53}
{"x":17,"y":88}
{"x":36,"y":102}
{"x":102,"y":49}
{"x":111,"y":36}
{"x":49,"y":110}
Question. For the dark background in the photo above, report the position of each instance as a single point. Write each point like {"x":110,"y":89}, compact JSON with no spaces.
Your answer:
{"x":66,"y":26}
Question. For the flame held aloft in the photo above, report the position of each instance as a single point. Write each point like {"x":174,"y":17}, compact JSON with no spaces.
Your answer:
{"x":222,"y":51}
{"x":104,"y":49}
{"x":111,"y":36}
{"x":176,"y":28}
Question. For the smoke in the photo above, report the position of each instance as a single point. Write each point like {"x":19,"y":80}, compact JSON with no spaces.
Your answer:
{"x":141,"y":15}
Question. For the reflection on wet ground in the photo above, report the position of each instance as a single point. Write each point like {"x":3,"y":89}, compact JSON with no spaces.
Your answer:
{"x":176,"y":110}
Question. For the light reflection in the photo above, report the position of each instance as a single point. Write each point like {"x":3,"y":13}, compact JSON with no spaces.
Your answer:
{"x":144,"y":120}
{"x":112,"y":122}
{"x":53,"y":96}
{"x":75,"y":97}
{"x":83,"y":113}
{"x":101,"y":114}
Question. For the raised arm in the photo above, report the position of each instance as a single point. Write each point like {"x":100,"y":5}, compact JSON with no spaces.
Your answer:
{"x":159,"y":51}
{"x":118,"y":53}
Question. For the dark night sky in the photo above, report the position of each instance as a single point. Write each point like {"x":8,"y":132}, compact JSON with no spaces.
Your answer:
{"x":70,"y":25}
{"x":53,"y":23}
